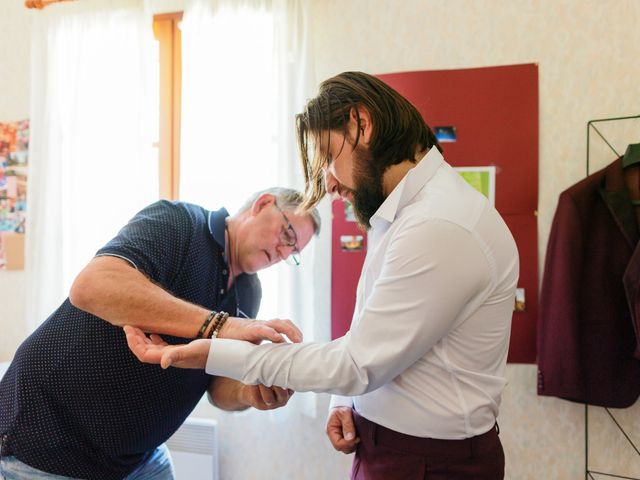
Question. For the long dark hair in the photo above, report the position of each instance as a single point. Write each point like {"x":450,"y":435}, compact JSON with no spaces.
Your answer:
{"x":399,"y":131}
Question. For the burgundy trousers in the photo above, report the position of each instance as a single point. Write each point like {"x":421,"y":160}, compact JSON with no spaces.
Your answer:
{"x":385,"y":454}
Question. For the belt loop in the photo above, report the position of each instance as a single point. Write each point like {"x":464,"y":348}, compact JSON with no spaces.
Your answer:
{"x":374,"y":433}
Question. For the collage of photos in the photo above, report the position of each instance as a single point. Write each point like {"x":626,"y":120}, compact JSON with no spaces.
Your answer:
{"x":14,"y":147}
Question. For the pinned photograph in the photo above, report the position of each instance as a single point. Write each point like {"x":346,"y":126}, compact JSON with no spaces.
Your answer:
{"x":482,"y":179}
{"x":349,"y":216}
{"x":520,"y":304}
{"x":351,"y":243}
{"x":445,"y":134}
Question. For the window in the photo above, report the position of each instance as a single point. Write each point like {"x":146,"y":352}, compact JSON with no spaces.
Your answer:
{"x":166,"y":28}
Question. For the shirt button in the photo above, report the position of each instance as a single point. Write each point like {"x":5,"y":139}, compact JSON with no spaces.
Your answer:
{"x":224,"y":272}
{"x":221,"y":291}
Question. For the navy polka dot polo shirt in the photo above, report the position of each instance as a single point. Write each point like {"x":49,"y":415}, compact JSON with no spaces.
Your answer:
{"x":75,"y":401}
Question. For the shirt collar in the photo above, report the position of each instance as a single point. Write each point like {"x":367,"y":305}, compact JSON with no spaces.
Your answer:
{"x":216,"y":223}
{"x":408,"y":187}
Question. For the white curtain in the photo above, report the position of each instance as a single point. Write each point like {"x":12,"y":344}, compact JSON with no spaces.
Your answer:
{"x":93,"y":123}
{"x":246,"y":72}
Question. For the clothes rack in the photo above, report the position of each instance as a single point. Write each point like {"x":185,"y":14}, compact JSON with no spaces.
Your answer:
{"x":588,"y":474}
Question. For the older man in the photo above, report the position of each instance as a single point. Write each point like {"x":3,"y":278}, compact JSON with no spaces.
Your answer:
{"x":75,"y":403}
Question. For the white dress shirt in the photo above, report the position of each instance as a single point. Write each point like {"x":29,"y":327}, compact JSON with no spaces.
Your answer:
{"x":427,"y":348}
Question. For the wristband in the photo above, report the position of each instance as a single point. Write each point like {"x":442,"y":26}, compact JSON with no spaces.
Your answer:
{"x":215,"y":331}
{"x":206,"y":323}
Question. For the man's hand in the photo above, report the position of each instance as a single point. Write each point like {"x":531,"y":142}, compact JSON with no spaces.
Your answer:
{"x":264,"y":398}
{"x":255,"y":331}
{"x":341,"y":430}
{"x":155,"y":350}
{"x":232,"y":395}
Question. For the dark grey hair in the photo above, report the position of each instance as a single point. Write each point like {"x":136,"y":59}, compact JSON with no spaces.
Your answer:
{"x":286,"y":199}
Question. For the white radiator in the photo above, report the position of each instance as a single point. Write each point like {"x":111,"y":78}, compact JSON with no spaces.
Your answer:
{"x":194,"y":450}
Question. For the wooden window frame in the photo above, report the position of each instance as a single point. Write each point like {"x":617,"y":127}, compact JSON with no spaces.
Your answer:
{"x":166,"y":28}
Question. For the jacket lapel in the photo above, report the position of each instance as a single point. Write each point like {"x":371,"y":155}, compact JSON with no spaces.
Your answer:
{"x":616,"y":197}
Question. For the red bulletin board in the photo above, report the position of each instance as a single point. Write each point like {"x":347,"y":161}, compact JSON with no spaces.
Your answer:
{"x":495,"y":114}
{"x":522,"y":347}
{"x":345,"y":271}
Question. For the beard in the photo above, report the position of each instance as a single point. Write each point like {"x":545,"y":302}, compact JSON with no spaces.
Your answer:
{"x":368,"y":193}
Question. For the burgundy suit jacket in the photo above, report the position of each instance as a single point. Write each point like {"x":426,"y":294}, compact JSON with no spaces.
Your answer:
{"x":589,"y":316}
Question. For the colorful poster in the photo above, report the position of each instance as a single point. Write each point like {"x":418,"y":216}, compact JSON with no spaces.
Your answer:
{"x":14,"y":147}
{"x":482,"y":179}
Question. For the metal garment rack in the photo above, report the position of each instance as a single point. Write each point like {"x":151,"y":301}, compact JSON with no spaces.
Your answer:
{"x":588,"y":473}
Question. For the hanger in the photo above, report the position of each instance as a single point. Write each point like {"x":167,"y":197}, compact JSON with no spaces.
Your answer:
{"x":631,"y":156}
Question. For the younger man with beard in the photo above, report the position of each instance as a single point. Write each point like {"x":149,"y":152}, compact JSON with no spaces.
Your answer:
{"x":421,"y":371}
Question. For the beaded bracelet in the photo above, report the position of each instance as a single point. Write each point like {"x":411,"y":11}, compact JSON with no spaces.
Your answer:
{"x":215,"y":331}
{"x":214,"y":324}
{"x":206,"y":323}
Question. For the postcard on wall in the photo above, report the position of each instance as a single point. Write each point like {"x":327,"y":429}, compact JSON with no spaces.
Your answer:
{"x":14,"y":147}
{"x":349,"y":214}
{"x":482,"y":179}
{"x":446,"y":134}
{"x":520,"y":304}
{"x":351,"y":243}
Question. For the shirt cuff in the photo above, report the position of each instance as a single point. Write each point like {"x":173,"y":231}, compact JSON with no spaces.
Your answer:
{"x":227,"y":358}
{"x":340,"y":401}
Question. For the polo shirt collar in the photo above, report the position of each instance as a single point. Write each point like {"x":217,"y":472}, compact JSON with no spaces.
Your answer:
{"x":216,"y":223}
{"x":408,"y":187}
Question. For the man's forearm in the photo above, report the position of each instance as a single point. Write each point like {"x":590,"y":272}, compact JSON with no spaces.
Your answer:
{"x":113,"y":290}
{"x":225,"y":394}
{"x":329,"y":367}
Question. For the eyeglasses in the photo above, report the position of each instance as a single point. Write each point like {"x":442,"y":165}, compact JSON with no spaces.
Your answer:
{"x":289,"y":238}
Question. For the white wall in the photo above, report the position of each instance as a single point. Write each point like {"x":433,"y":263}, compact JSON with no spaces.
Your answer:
{"x":15,"y":31}
{"x":587,"y":56}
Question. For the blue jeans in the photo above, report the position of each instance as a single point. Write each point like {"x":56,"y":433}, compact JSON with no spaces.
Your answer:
{"x":158,"y":467}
